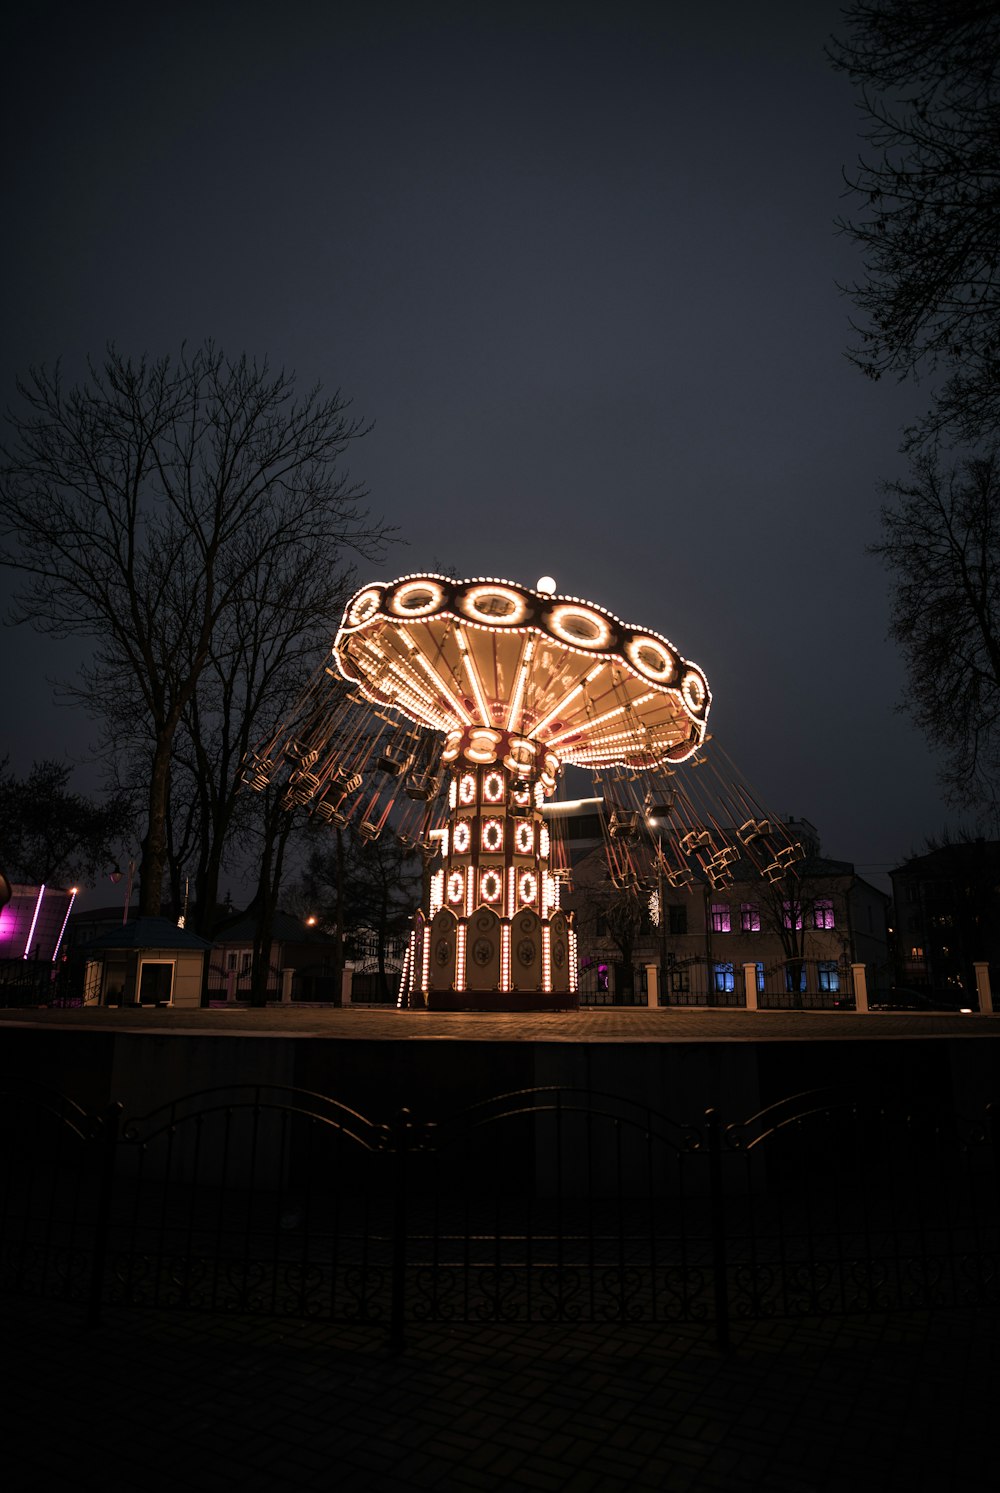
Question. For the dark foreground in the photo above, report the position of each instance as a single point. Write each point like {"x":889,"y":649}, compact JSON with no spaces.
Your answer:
{"x":149,"y":1402}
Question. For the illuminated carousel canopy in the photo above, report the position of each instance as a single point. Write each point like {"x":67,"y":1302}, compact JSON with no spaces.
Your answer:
{"x":506,"y":672}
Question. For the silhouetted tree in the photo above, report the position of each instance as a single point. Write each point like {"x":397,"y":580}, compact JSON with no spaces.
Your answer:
{"x":48,"y":834}
{"x":927,"y":74}
{"x":360,"y":885}
{"x":611,"y":914}
{"x":162,"y":509}
{"x":941,"y":544}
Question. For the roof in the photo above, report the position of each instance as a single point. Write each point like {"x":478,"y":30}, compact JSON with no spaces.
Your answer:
{"x":284,"y":929}
{"x":147,"y":933}
{"x":944,"y":860}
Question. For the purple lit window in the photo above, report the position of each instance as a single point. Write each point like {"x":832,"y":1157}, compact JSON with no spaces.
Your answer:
{"x":823,"y":913}
{"x":791,"y":914}
{"x":720,"y":917}
{"x":749,"y":917}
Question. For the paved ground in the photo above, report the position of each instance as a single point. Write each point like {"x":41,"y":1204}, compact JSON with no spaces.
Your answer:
{"x":197,"y":1404}
{"x":637,"y":1024}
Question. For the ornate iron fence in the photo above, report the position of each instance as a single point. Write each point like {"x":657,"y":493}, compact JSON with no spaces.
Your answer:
{"x":544,"y":1205}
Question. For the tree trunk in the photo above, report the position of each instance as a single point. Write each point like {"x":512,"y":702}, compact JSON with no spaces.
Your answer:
{"x":154,"y":846}
{"x":266,"y":901}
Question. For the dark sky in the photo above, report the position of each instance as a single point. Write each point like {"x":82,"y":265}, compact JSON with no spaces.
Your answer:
{"x":577,"y":262}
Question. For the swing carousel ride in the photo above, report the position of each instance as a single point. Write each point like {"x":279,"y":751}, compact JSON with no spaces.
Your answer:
{"x":446,"y":717}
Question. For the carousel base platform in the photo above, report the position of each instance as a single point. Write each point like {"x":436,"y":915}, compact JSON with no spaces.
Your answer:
{"x":496,"y":1000}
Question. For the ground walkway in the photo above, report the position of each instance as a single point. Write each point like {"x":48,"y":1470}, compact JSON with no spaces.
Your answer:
{"x":601,"y":1025}
{"x":181,"y":1402}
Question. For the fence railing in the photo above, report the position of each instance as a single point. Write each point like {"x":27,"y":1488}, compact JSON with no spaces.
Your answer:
{"x":39,"y":982}
{"x":542,"y":1205}
{"x":801,"y":984}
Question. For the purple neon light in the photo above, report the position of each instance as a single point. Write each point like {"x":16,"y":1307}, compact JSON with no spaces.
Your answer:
{"x":62,"y":930}
{"x":34,"y":920}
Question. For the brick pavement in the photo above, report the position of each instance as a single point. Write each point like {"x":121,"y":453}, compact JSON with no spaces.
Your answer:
{"x":181,"y":1402}
{"x":615,"y":1025}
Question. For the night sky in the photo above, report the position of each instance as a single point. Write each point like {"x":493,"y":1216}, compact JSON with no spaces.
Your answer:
{"x":578,"y":264}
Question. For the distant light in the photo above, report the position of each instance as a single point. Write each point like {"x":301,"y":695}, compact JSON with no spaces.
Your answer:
{"x":310,"y":922}
{"x":546,"y":584}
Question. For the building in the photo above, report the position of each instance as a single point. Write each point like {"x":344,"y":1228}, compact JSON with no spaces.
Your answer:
{"x":145,"y":962}
{"x":800,"y":935}
{"x":947,"y":916}
{"x":302,"y":966}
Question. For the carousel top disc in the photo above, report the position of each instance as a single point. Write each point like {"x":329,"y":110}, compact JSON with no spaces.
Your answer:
{"x":489,"y":662}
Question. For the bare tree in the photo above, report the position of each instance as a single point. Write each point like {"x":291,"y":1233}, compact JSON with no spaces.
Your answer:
{"x":363,"y":886}
{"x":48,"y":834}
{"x":941,"y":544}
{"x":150,"y":509}
{"x":611,"y":915}
{"x":927,"y":74}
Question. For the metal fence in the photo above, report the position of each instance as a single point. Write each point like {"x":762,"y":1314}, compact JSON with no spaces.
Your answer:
{"x":39,"y":982}
{"x":544,"y":1205}
{"x":799,"y":984}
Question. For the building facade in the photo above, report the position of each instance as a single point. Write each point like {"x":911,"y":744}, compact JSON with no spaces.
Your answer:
{"x":947,"y":916}
{"x":696,"y":945}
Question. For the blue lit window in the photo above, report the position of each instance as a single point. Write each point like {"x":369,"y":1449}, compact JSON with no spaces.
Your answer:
{"x":725,"y":978}
{"x":828,"y":975}
{"x":795,"y":977}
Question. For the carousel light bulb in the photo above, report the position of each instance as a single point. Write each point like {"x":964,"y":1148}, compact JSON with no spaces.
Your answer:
{"x":546,"y":584}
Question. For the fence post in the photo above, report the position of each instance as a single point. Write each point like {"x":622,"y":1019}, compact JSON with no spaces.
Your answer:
{"x":750,"y":986}
{"x":859,"y":979}
{"x":108,"y":1140}
{"x":399,"y":1134}
{"x":983,"y":989}
{"x":718,"y":1225}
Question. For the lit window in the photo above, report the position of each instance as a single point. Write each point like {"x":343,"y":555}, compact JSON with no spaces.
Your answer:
{"x":828,"y":976}
{"x":749,"y":917}
{"x":760,"y":978}
{"x":720,"y":918}
{"x":724,"y":977}
{"x":823,"y":913}
{"x":795,"y":976}
{"x":916,"y":953}
{"x":791,"y":914}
